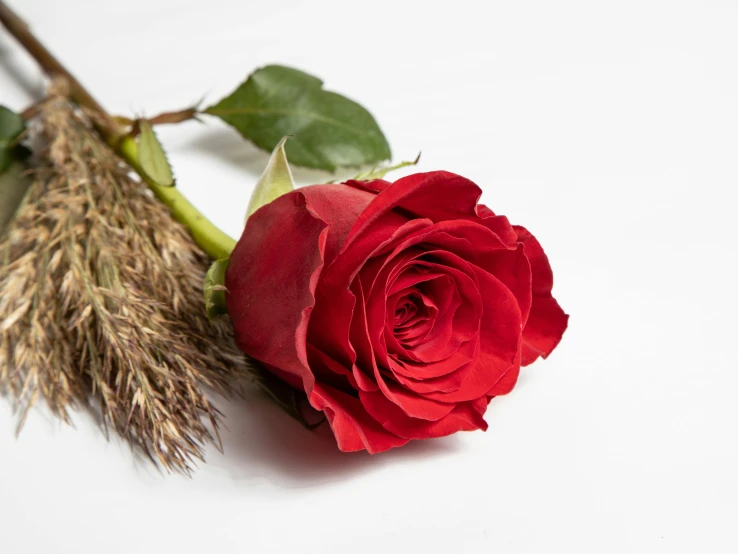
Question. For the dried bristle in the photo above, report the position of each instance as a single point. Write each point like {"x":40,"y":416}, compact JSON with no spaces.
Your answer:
{"x":101,"y":298}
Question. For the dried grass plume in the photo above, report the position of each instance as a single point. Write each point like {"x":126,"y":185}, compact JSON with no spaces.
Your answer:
{"x":101,"y":300}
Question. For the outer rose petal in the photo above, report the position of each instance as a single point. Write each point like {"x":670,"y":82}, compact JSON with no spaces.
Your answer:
{"x":546,"y":324}
{"x":270,"y":295}
{"x":547,"y":321}
{"x":507,"y":383}
{"x":278,"y":290}
{"x":466,"y":416}
{"x":436,"y":195}
{"x":353,"y":427}
{"x":338,"y":206}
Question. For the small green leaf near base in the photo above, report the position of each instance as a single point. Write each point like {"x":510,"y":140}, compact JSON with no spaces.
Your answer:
{"x":11,"y":126}
{"x":151,"y":156}
{"x":14,"y":183}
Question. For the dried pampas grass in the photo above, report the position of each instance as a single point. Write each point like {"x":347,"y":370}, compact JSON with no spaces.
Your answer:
{"x":101,"y":298}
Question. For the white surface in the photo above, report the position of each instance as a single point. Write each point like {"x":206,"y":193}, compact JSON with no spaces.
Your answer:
{"x":610,"y":129}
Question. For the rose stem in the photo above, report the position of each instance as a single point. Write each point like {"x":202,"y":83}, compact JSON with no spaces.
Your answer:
{"x":207,"y":236}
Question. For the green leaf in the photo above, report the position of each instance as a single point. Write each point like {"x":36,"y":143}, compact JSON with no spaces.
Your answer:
{"x":11,"y":126}
{"x":151,"y":156}
{"x":329,"y":130}
{"x":14,"y":183}
{"x":274,"y":182}
{"x":377,"y":172}
{"x":214,"y":289}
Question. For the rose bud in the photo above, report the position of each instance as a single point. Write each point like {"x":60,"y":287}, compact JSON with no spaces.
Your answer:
{"x":399,"y":309}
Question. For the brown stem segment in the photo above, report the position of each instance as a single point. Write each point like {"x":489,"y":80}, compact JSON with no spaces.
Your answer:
{"x":53,"y":67}
{"x":173,"y":117}
{"x":211,"y":239}
{"x":160,"y":119}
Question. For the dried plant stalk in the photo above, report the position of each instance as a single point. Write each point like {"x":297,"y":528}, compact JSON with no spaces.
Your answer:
{"x":101,"y":297}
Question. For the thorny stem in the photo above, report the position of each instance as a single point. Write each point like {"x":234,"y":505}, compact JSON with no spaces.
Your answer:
{"x":207,"y":236}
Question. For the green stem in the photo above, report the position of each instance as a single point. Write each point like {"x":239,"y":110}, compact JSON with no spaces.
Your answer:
{"x":207,"y":236}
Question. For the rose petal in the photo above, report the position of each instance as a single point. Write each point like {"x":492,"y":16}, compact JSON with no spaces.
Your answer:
{"x":339,"y":206}
{"x":546,"y":325}
{"x":331,"y":319}
{"x":498,"y":224}
{"x":437,"y":195}
{"x":352,"y":425}
{"x":507,"y":382}
{"x":365,"y":359}
{"x":462,"y":319}
{"x":443,"y":376}
{"x":412,"y":404}
{"x":547,"y":321}
{"x":402,"y":255}
{"x":479,"y":246}
{"x":274,"y":290}
{"x":499,"y":341}
{"x":466,"y":416}
{"x":327,"y":370}
{"x":416,"y":327}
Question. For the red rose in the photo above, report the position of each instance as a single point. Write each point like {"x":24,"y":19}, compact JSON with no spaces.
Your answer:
{"x":400,"y":309}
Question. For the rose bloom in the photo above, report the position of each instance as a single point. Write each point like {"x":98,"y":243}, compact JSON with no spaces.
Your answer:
{"x":400,"y":309}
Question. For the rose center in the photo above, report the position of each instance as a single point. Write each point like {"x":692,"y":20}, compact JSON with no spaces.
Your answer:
{"x":406,"y":310}
{"x":414,"y":317}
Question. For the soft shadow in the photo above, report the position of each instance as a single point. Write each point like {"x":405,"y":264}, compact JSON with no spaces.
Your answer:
{"x":225,"y":143}
{"x":263,"y":441}
{"x":34,"y":87}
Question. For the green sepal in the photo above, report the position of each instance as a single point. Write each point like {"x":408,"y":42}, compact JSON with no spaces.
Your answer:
{"x":274,"y":182}
{"x":214,"y":289}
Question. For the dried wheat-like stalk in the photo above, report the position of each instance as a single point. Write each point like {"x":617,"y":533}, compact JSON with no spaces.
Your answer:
{"x":101,"y":297}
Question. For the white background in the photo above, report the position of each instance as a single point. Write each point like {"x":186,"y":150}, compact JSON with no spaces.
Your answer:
{"x":610,"y":129}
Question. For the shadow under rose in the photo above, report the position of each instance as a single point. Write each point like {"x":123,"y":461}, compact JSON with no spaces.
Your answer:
{"x":260,"y":440}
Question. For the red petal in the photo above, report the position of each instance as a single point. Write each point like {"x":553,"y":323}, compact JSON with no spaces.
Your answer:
{"x":547,"y":321}
{"x":507,"y":382}
{"x":546,"y":325}
{"x":463,"y":417}
{"x":412,"y":404}
{"x":331,"y":319}
{"x":352,"y":426}
{"x":270,"y":295}
{"x":339,"y":206}
{"x":498,"y":224}
{"x":444,"y":376}
{"x":500,"y":343}
{"x":327,"y":370}
{"x":437,"y":195}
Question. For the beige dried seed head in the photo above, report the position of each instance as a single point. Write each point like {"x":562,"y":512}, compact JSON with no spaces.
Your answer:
{"x":101,"y":297}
